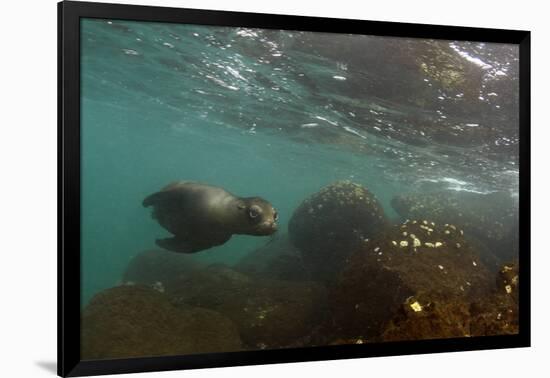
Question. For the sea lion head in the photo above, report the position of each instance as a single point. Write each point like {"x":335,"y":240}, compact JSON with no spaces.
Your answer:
{"x":258,"y":216}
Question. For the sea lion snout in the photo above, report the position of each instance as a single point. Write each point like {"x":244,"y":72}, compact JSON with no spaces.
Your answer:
{"x":265,"y":230}
{"x":270,"y":225}
{"x":266,"y":227}
{"x":260,"y":215}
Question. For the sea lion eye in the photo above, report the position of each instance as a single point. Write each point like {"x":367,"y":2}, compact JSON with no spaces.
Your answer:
{"x":253,"y":212}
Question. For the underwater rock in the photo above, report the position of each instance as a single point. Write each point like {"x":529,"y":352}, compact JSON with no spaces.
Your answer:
{"x":441,"y":318}
{"x":494,"y":314}
{"x":136,"y":321}
{"x":411,"y":265}
{"x":278,"y":260}
{"x":498,"y":314}
{"x":435,"y":71}
{"x":508,"y":281}
{"x":153,"y":266}
{"x":268,"y":313}
{"x":436,"y":319}
{"x":332,"y":223}
{"x":490,"y":218}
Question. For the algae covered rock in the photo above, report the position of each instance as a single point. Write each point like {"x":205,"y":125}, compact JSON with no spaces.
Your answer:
{"x":490,"y":218}
{"x":332,"y":223}
{"x":415,"y":265}
{"x":498,"y":315}
{"x":268,"y":313}
{"x":439,"y":318}
{"x":495,"y":314}
{"x":137,"y":321}
{"x":508,"y":280}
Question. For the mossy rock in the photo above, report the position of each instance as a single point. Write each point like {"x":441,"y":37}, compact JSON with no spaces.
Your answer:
{"x":437,"y":318}
{"x":496,"y":314}
{"x":418,"y":259}
{"x":268,"y":313}
{"x":491,"y":219}
{"x":329,"y":225}
{"x":137,"y":321}
{"x":508,"y":281}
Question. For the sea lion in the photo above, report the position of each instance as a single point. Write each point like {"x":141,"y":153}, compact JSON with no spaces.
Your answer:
{"x":203,"y":216}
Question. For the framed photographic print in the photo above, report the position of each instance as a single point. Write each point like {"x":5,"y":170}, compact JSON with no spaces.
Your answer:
{"x":239,"y":188}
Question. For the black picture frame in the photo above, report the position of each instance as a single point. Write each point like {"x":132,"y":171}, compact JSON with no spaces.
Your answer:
{"x":69,"y":15}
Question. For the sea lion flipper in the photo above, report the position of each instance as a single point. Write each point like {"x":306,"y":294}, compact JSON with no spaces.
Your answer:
{"x":176,"y":245}
{"x":160,"y":197}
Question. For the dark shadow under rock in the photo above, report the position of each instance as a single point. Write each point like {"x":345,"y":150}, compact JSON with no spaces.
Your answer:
{"x":279,"y":260}
{"x":136,"y":321}
{"x":156,"y":266}
{"x":268,"y":313}
{"x":412,"y":265}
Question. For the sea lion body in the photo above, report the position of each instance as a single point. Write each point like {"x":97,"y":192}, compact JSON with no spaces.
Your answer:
{"x":202,"y":216}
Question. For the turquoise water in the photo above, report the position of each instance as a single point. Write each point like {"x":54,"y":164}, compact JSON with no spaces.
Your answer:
{"x":278,"y":115}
